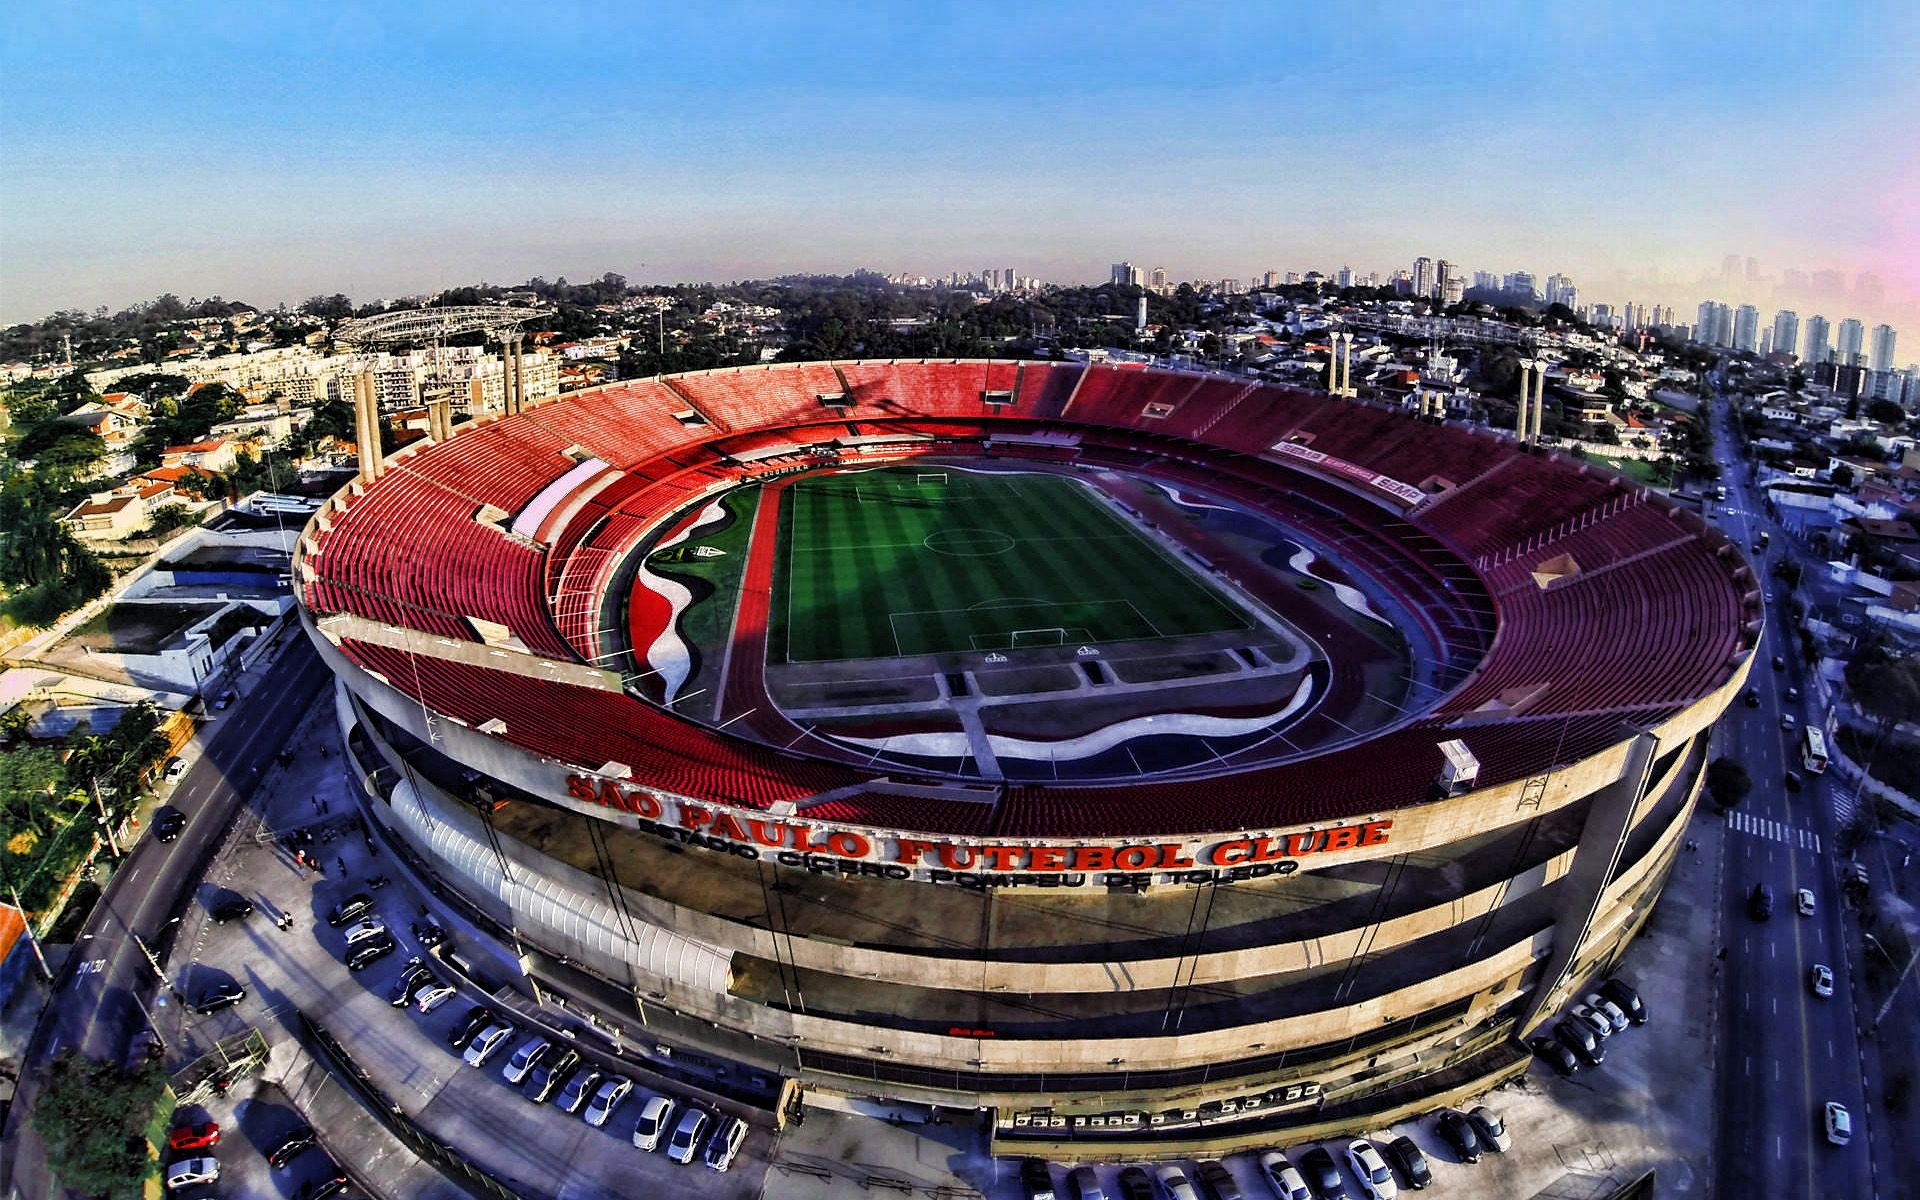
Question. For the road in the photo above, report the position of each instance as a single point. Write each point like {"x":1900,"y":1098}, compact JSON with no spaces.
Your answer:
{"x":99,"y":1000}
{"x":1785,"y":1052}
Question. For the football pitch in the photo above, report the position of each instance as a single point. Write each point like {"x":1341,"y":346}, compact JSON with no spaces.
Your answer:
{"x":906,"y":561}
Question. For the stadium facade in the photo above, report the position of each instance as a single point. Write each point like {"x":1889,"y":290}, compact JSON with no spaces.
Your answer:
{"x":1325,"y":933}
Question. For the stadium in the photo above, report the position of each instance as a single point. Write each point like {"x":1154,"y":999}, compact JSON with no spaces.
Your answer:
{"x":1154,"y":762}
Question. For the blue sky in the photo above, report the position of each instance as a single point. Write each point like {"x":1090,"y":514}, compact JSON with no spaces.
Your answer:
{"x":270,"y":151}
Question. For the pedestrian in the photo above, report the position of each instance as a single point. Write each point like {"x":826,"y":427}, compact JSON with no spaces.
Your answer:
{"x":341,"y":863}
{"x":325,"y":805}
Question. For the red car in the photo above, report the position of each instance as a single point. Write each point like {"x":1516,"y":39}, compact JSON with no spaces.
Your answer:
{"x":194,"y":1137}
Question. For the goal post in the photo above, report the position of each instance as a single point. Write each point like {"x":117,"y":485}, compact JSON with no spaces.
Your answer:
{"x":1055,"y":636}
{"x":923,"y":478}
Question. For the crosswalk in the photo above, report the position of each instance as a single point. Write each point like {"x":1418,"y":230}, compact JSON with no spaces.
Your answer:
{"x":1777,"y":831}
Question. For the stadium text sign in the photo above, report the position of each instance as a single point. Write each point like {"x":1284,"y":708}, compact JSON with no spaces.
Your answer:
{"x":1359,"y":474}
{"x":824,"y":848}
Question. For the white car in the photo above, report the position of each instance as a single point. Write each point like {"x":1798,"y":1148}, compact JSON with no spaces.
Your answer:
{"x":1175,"y":1183}
{"x":611,"y":1093}
{"x":685,"y":1142}
{"x":189,"y":1171}
{"x":1491,"y":1128}
{"x":433,"y":995}
{"x":656,"y":1115}
{"x":1786,"y":721}
{"x":1283,"y":1177}
{"x":176,"y":767}
{"x":525,"y":1059}
{"x":726,"y":1143}
{"x":1803,"y":902}
{"x":1607,"y":1009}
{"x":1592,"y":1020}
{"x":1839,"y":1123}
{"x":372,"y":927}
{"x":488,"y":1040}
{"x":1821,"y":977}
{"x":1371,"y":1170}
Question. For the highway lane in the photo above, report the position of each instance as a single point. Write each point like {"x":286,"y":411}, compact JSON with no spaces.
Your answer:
{"x":1785,"y":1052}
{"x":100,"y":999}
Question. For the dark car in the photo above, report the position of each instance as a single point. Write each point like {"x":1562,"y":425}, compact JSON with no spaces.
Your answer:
{"x":1036,"y":1179}
{"x":291,"y":1147}
{"x":1135,"y":1184}
{"x":1216,"y":1181}
{"x":1621,"y":993}
{"x":331,"y":1184}
{"x":478,"y":1017}
{"x":230,"y":907}
{"x":1555,"y":1054}
{"x":168,"y":822}
{"x":1577,"y":1037}
{"x":414,"y":976}
{"x":1458,"y":1133}
{"x":429,"y":930}
{"x":350,"y":910}
{"x":550,"y":1075}
{"x":1405,"y":1154}
{"x":1779,"y":663}
{"x":573,"y":1097}
{"x":217,"y":997}
{"x":1791,"y":780}
{"x":371,"y":951}
{"x":1751,"y":697}
{"x":1323,"y":1174}
{"x":1760,"y":902}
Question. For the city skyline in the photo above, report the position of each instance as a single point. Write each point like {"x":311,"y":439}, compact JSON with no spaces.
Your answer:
{"x":280,"y":152}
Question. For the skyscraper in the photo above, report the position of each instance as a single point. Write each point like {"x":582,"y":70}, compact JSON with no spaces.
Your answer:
{"x":1558,"y":286}
{"x":1786,"y":331}
{"x":1881,"y":356}
{"x":1423,"y":276}
{"x":1159,"y":279}
{"x":1346,"y":277}
{"x":1126,"y":274}
{"x":1746,"y":328}
{"x":1520,"y":283}
{"x":1847,"y":342}
{"x":1442,"y":271}
{"x":1486,"y":281}
{"x":1713,"y":325}
{"x":1816,"y":344}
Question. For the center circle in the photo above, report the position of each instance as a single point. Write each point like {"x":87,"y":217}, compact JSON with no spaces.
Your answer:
{"x":965,"y":542}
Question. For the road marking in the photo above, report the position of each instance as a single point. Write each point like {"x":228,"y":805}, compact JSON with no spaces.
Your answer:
{"x":92,"y":966}
{"x":1779,"y":1146}
{"x":1776,"y":1062}
{"x":1776,"y":1012}
{"x":1749,"y":1066}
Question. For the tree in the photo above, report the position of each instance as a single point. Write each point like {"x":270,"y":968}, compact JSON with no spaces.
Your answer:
{"x":92,"y":1119}
{"x":1888,"y":690}
{"x":1886,"y":412}
{"x":1728,"y":782}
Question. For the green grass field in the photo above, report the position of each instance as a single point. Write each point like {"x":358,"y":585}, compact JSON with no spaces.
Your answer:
{"x":877,"y":564}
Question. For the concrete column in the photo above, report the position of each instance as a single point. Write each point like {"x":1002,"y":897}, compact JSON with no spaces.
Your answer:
{"x":519,"y":375}
{"x":1346,"y":364}
{"x":1333,"y":364}
{"x":1539,"y":398}
{"x":1526,"y":398}
{"x":439,"y":421}
{"x":366,"y":410}
{"x":506,"y":378}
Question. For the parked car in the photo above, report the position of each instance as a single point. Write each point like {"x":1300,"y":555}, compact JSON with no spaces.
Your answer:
{"x":1458,"y":1133}
{"x":607,"y":1099}
{"x":1760,"y":902}
{"x":1083,"y":1183}
{"x":1217,"y":1181}
{"x":478,"y":1017}
{"x":551,"y":1074}
{"x":1839,"y":1123}
{"x":366,"y":931}
{"x":1323,"y":1174}
{"x":230,"y":906}
{"x":364,"y":955}
{"x":525,"y":1059}
{"x":1616,"y":1019}
{"x":176,"y":767}
{"x":218,"y":996}
{"x":687,"y":1135}
{"x":291,"y":1147}
{"x":433,"y":994}
{"x":1555,"y":1054}
{"x":574,"y":1094}
{"x":1592,"y":1020}
{"x":1135,"y":1184}
{"x":1621,"y":993}
{"x":331,"y":1184}
{"x":1175,"y":1183}
{"x":1371,"y":1170}
{"x":189,"y":1171}
{"x":726,"y":1142}
{"x":1821,"y":977}
{"x":1283,"y":1177}
{"x":193,"y":1137}
{"x":168,"y":821}
{"x":486,"y":1043}
{"x":656,"y":1117}
{"x":350,"y":909}
{"x":414,"y":976}
{"x":1036,"y":1179}
{"x":429,"y":931}
{"x":1579,"y":1037}
{"x":1404,"y":1153}
{"x":1803,"y":902}
{"x":1490,"y":1129}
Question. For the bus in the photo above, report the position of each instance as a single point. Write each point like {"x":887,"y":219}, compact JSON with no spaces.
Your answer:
{"x":1813,"y":749}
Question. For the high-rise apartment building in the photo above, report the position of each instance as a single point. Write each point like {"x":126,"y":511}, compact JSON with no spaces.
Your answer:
{"x":1848,"y":341}
{"x":1713,"y":324}
{"x":1520,"y":285}
{"x":1558,"y":287}
{"x":1126,"y":274}
{"x":1486,"y":281}
{"x":1786,"y":331}
{"x":1423,"y":281}
{"x":1880,"y":354}
{"x":1746,"y":328}
{"x":1453,"y":289}
{"x":1159,"y":279}
{"x":1442,"y":271}
{"x":1345,"y":277}
{"x":1766,"y":341}
{"x":1816,"y":350}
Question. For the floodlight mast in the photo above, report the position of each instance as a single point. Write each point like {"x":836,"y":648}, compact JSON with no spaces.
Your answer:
{"x":415,"y":325}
